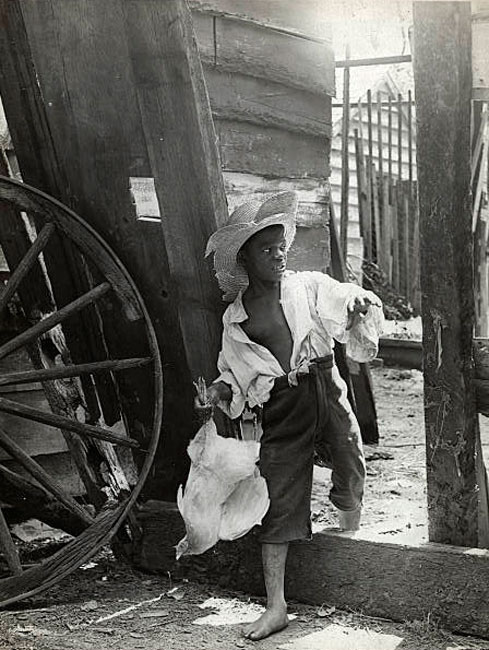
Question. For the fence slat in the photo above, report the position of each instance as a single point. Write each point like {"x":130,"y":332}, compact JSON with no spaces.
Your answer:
{"x":399,"y":137}
{"x":395,"y":236}
{"x":363,"y":202}
{"x":345,"y":171}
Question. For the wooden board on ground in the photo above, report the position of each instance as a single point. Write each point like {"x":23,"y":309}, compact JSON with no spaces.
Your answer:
{"x":449,"y":584}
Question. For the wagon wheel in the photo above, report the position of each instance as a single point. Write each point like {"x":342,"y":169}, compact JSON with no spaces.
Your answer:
{"x":114,"y":292}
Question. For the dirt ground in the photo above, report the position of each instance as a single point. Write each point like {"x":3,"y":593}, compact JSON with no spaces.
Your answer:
{"x":107,"y":605}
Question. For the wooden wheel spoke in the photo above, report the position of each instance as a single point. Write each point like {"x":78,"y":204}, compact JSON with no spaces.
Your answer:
{"x":60,"y":422}
{"x":8,"y":547}
{"x":64,"y":372}
{"x":25,"y":264}
{"x":40,"y":474}
{"x":54,"y":319}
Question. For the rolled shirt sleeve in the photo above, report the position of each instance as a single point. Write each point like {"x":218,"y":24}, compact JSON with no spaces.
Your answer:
{"x":332,"y":297}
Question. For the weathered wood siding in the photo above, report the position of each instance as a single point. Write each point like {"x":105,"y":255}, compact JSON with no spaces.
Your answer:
{"x":269,"y":71}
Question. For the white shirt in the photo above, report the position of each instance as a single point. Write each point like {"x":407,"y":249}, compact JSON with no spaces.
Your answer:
{"x":315,"y":308}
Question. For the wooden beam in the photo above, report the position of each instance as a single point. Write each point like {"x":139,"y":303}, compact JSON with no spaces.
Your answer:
{"x":155,"y":119}
{"x":36,"y":471}
{"x":442,"y":72}
{"x":8,"y":547}
{"x":60,"y":422}
{"x":33,"y":500}
{"x":381,"y":60}
{"x":345,"y":160}
{"x":397,"y":581}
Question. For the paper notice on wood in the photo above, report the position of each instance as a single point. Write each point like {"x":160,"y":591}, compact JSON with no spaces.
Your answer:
{"x":480,"y":57}
{"x":143,"y":193}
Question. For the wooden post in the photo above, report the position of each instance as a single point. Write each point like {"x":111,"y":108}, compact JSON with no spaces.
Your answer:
{"x":382,"y":250}
{"x":8,"y":547}
{"x":442,"y":72}
{"x":389,"y":138}
{"x":125,"y":104}
{"x":363,"y":202}
{"x":345,"y":159}
{"x":399,"y":137}
{"x":395,"y":235}
{"x":370,"y":177}
{"x":366,"y":209}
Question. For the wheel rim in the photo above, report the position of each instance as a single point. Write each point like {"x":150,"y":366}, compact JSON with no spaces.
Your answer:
{"x":116,"y":281}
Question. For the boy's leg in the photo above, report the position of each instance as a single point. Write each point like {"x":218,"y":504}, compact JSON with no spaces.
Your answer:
{"x":346,"y":450}
{"x":275,"y":618}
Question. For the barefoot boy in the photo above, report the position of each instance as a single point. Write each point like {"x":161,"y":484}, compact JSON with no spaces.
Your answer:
{"x":276,"y":353}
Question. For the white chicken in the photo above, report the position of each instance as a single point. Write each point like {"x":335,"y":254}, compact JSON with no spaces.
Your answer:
{"x":225,"y":496}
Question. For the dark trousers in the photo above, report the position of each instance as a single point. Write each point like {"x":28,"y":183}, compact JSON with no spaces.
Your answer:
{"x":313,"y":416}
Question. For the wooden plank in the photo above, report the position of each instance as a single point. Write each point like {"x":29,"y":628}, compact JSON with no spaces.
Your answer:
{"x":37,"y":472}
{"x":481,"y":180}
{"x":63,"y":372}
{"x":402,"y":240}
{"x":408,"y":250}
{"x":40,"y":163}
{"x":25,"y":265}
{"x":36,"y":439}
{"x":416,"y":289}
{"x":483,"y":117}
{"x":382,"y":251}
{"x":271,"y":152}
{"x":260,"y":52}
{"x":310,"y":250}
{"x":241,"y":98}
{"x":63,"y":398}
{"x":387,"y":228}
{"x":62,"y":466}
{"x":483,"y":483}
{"x":410,"y":138}
{"x":8,"y":547}
{"x":54,"y":319}
{"x":381,"y":60}
{"x":66,"y":424}
{"x":363,"y":202}
{"x":395,"y":235}
{"x":389,"y":139}
{"x":307,"y":18}
{"x":401,"y":582}
{"x":123,"y":51}
{"x":399,"y":136}
{"x":313,"y":194}
{"x":35,"y":502}
{"x":345,"y":160}
{"x":376,"y":215}
{"x":442,"y":69}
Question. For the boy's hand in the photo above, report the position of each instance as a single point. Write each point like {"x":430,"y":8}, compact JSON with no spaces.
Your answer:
{"x":214,"y":394}
{"x":358,"y":307}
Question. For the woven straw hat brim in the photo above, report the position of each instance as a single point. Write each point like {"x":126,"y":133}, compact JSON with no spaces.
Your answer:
{"x":246,"y":221}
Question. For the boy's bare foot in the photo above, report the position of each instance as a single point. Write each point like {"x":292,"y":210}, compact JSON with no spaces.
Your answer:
{"x":272,"y":620}
{"x":349,"y":519}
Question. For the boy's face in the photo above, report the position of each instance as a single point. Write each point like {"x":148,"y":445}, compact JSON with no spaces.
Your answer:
{"x":264,"y":255}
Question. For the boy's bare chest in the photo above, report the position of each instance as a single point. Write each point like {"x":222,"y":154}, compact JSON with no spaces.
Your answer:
{"x":267,"y":326}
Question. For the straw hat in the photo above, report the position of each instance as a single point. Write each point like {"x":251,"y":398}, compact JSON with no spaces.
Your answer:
{"x":246,"y":220}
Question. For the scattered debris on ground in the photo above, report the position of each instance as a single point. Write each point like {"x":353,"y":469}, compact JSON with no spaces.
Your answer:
{"x":107,"y":605}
